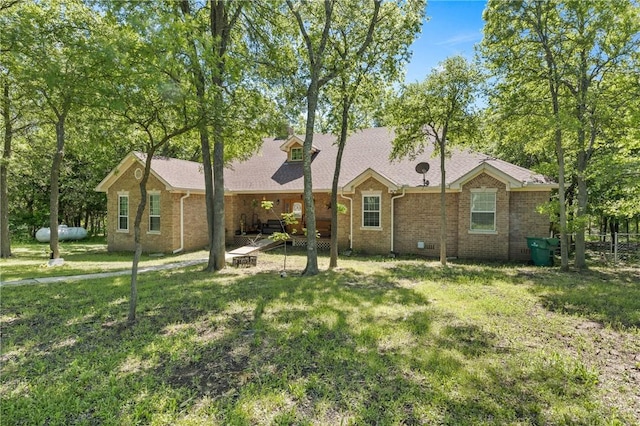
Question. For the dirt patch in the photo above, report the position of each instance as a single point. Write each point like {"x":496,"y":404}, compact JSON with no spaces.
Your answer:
{"x":616,"y":356}
{"x":216,"y":374}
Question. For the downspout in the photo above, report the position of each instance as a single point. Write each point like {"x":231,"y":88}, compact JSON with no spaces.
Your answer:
{"x":350,"y":218}
{"x":392,"y":218}
{"x":179,"y":249}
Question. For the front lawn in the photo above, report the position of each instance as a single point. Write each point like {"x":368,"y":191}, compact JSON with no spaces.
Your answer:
{"x":375,"y":342}
{"x":29,"y":260}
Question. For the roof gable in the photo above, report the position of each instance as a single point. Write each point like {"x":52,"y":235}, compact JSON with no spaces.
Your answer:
{"x":370,"y":173}
{"x":492,"y":171}
{"x":293,"y":141}
{"x":114,"y":174}
{"x":514,"y":177}
{"x":176,"y":175}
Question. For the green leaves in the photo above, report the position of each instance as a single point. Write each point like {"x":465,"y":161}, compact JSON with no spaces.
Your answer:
{"x":441,"y":108}
{"x":562,"y":87}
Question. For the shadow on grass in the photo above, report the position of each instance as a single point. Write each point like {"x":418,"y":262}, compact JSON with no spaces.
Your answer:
{"x":244,"y":349}
{"x":610,"y":297}
{"x":606,"y":296}
{"x":459,"y":272}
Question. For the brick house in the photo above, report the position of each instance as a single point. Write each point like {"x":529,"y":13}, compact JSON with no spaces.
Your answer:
{"x":491,"y":204}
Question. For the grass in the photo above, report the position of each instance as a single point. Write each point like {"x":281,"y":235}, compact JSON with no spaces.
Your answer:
{"x":376,"y":342}
{"x":81,"y":257}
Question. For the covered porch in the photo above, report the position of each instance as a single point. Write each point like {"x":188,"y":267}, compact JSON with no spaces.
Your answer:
{"x":246,"y":220}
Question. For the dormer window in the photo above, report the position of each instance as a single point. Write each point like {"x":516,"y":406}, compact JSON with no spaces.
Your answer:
{"x":293,"y":147}
{"x":296,"y":154}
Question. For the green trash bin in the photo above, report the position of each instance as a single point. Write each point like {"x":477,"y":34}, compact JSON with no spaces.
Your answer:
{"x":542,"y":250}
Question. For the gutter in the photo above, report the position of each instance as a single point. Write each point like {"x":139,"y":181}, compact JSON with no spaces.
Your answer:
{"x":350,"y":217}
{"x":179,"y":249}
{"x":392,"y":218}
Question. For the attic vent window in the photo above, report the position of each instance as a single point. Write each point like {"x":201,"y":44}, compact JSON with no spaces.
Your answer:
{"x":296,"y":154}
{"x":138,"y":174}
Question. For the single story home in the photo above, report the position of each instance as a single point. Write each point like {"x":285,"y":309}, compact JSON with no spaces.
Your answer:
{"x":391,"y":205}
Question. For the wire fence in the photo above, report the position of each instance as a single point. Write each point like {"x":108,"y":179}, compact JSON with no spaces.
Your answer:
{"x":617,"y":248}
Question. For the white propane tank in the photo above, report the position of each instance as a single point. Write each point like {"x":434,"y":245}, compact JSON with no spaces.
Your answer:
{"x":65,"y":233}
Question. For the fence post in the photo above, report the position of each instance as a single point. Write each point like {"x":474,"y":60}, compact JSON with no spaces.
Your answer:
{"x":611,"y":249}
{"x":615,"y":248}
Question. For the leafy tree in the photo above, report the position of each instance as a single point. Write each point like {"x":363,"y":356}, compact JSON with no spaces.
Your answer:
{"x":563,"y":56}
{"x":318,"y":23}
{"x":12,"y":118}
{"x":440,"y":110}
{"x":614,"y":175}
{"x":151,"y":95}
{"x":54,"y":47}
{"x":361,"y":83}
{"x":604,"y":37}
{"x":7,"y":120}
{"x":508,"y":54}
{"x":236,"y":111}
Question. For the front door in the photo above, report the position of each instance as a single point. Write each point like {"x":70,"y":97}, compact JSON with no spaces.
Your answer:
{"x":295,"y":206}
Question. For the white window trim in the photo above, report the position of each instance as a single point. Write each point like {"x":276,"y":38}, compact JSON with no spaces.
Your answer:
{"x":149,"y":231}
{"x":291,"y":153}
{"x":371,"y":194}
{"x":123,"y":194}
{"x":493,"y":231}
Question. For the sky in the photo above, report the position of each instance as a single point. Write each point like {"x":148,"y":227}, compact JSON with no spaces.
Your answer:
{"x":452,"y":27}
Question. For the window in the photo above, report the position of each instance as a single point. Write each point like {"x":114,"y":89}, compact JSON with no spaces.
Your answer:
{"x":296,"y":154}
{"x":370,"y":211}
{"x":483,"y":211}
{"x":123,"y":213}
{"x":296,"y":209}
{"x":154,"y":212}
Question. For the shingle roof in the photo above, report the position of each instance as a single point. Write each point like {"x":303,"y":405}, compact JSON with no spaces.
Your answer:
{"x":269,"y":171}
{"x":178,"y":174}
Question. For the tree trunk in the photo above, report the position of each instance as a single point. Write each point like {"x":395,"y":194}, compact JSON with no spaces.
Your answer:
{"x":218,"y":195}
{"x":553,"y":81}
{"x":443,"y":202}
{"x":582,"y":160}
{"x":581,"y":213}
{"x":564,"y":241}
{"x":309,"y":205}
{"x":133,"y":300}
{"x":200,"y":84}
{"x":133,"y":296}
{"x":208,"y":190}
{"x":55,"y":188}
{"x":5,"y":237}
{"x":220,"y":24}
{"x":342,"y":141}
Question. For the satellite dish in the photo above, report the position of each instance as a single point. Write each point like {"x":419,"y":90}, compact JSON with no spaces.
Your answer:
{"x":423,"y":168}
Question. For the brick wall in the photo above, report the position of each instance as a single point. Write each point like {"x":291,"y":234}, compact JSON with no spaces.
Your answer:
{"x":195,"y":222}
{"x":230,"y":209}
{"x":124,"y":241}
{"x":484,"y":245}
{"x":417,"y":219}
{"x":372,"y":240}
{"x":525,"y":221}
